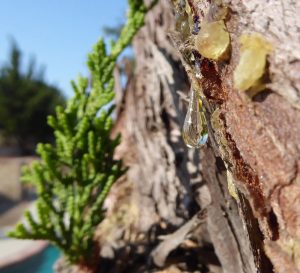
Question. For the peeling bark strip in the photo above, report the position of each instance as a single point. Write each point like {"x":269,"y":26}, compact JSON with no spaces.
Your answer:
{"x":172,"y":241}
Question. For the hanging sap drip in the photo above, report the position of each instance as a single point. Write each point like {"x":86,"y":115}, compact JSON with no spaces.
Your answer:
{"x":194,"y":131}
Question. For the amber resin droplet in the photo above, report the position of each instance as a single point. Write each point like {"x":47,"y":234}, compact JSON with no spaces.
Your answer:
{"x":194,"y":131}
{"x":182,"y":25}
{"x":213,"y":40}
{"x":252,"y":64}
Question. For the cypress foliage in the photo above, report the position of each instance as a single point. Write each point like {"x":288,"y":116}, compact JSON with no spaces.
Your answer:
{"x":75,"y":174}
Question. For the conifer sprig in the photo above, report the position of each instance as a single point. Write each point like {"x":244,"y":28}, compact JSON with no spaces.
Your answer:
{"x":74,"y":175}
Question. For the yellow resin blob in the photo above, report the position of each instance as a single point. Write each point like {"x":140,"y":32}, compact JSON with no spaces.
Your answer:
{"x":213,"y":40}
{"x":253,"y":55}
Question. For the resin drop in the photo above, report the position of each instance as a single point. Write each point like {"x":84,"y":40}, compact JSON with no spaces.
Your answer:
{"x":182,"y":25}
{"x":194,"y":131}
{"x":213,"y":40}
{"x":253,"y":59}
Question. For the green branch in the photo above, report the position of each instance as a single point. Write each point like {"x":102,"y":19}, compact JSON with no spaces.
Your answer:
{"x":75,"y":174}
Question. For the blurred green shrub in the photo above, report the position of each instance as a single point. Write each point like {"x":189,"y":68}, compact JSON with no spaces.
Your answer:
{"x":25,"y":102}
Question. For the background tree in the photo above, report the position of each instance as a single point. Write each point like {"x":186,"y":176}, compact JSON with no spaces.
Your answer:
{"x":25,"y":102}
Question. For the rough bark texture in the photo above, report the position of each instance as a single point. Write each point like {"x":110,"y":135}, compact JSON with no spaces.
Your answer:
{"x":152,"y":114}
{"x":253,"y":145}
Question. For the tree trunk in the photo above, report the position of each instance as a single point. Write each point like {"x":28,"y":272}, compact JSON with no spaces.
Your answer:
{"x":247,"y":176}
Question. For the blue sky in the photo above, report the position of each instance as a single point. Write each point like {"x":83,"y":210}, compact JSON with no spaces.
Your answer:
{"x":58,"y":33}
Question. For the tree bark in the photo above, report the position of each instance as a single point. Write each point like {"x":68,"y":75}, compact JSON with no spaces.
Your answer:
{"x":253,"y":147}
